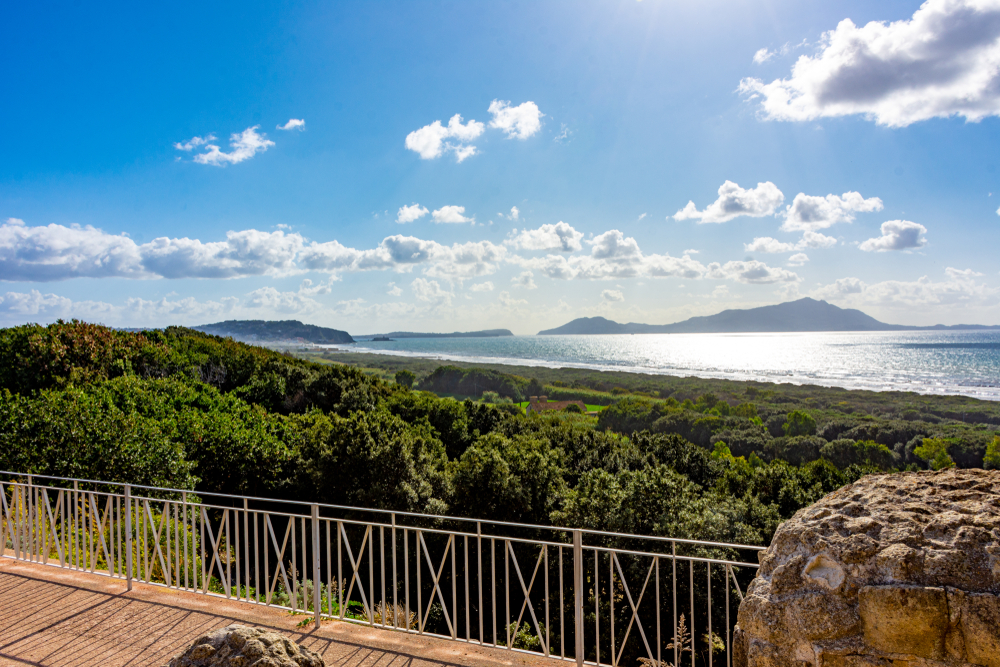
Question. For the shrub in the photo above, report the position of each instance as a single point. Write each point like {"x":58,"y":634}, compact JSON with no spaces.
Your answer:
{"x":405,"y":378}
{"x":798,"y":423}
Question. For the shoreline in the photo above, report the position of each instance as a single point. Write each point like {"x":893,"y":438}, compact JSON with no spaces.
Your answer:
{"x":988,"y":393}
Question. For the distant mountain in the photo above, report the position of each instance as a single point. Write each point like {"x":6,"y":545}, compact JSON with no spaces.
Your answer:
{"x":488,"y":333}
{"x":802,"y":315}
{"x":284,"y":330}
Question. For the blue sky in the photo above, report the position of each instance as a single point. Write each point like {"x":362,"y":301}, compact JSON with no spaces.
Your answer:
{"x":851,"y":162}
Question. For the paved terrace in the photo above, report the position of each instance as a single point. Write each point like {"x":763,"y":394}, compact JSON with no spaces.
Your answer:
{"x":62,"y":618}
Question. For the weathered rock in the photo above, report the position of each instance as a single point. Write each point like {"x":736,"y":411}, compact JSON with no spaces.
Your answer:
{"x":899,"y":569}
{"x":242,"y":646}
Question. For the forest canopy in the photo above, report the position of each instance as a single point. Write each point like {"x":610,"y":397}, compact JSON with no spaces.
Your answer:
{"x":184,"y":409}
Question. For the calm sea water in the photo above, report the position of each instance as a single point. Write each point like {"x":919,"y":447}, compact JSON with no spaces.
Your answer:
{"x":960,"y":362}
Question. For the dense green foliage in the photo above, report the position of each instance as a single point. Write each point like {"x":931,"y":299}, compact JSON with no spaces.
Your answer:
{"x":188,"y":410}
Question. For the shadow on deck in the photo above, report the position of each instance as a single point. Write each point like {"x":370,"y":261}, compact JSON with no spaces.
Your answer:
{"x":62,"y":618}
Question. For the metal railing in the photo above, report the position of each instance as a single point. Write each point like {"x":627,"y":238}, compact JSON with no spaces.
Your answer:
{"x":578,"y":595}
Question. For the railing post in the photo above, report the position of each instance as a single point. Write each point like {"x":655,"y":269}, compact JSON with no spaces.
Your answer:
{"x":578,"y":594}
{"x":128,"y":535}
{"x":316,"y":565}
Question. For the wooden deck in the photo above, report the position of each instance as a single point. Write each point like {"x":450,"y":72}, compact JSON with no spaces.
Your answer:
{"x":60,"y":618}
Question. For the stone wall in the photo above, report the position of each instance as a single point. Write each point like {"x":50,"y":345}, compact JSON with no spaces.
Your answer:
{"x":898,"y":570}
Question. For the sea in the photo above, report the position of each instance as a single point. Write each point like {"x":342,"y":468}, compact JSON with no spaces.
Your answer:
{"x":928,"y":362}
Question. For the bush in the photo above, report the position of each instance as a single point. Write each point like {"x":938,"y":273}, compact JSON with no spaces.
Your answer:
{"x":935,"y":452}
{"x":798,"y":423}
{"x":405,"y":378}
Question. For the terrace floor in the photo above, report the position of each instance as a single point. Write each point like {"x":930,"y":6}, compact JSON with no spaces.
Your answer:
{"x":61,"y":618}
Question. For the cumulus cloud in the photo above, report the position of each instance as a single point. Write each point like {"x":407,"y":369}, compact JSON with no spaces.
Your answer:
{"x":410,"y":213}
{"x":897,"y":235}
{"x":432,"y":141}
{"x":612,"y":295}
{"x":959,"y":289}
{"x":941,"y":62}
{"x":614,"y":256}
{"x":269,"y":298}
{"x":809,"y":239}
{"x":514,"y":213}
{"x":507,"y":300}
{"x":751,"y":272}
{"x":518,"y":122}
{"x":56,"y":252}
{"x":194,"y":142}
{"x":798,"y":259}
{"x":293,"y":124}
{"x":735,"y":201}
{"x":430,"y":291}
{"x":18,"y":306}
{"x":245,"y":253}
{"x":450,"y":214}
{"x":486,"y":286}
{"x":394,"y":290}
{"x":811,"y":213}
{"x":401,"y":253}
{"x":244,"y":146}
{"x":560,"y":236}
{"x":525,"y":280}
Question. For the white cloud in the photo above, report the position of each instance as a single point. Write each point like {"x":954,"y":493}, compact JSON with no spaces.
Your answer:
{"x":431,"y":141}
{"x":293,"y":124}
{"x":514,"y":213}
{"x":525,"y":280}
{"x":763,"y":55}
{"x":641,"y":216}
{"x":482,"y":287}
{"x":612,"y":295}
{"x":941,"y":62}
{"x":614,"y":245}
{"x":410,"y":213}
{"x":430,"y":291}
{"x":809,"y":239}
{"x":897,"y":235}
{"x":270,"y":299}
{"x":402,"y":253}
{"x":244,"y":146}
{"x":960,"y":289}
{"x":735,"y":201}
{"x":245,"y":253}
{"x":394,"y":290}
{"x":16,"y":307}
{"x":751,"y":272}
{"x":507,"y":300}
{"x":308,"y":288}
{"x":798,"y":259}
{"x":518,"y":122}
{"x":768,"y":245}
{"x":452,"y":214}
{"x":560,"y":236}
{"x":810,"y":213}
{"x":564,"y":134}
{"x":55,"y":252}
{"x":194,"y":142}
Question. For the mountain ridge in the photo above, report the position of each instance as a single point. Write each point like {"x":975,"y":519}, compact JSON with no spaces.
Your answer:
{"x":803,"y":315}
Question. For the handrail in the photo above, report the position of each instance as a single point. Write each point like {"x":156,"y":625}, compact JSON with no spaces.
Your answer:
{"x":517,"y":592}
{"x":433,"y":517}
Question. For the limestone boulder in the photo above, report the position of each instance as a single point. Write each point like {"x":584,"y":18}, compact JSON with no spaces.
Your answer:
{"x":897,"y":569}
{"x":242,"y":646}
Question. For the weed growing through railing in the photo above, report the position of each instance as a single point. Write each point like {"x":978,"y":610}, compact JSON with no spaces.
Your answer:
{"x":396,"y":616}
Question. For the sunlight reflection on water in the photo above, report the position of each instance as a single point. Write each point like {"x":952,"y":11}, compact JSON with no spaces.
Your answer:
{"x":965,"y":362}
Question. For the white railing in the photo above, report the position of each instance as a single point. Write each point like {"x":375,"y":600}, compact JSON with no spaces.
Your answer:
{"x":591,"y":597}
